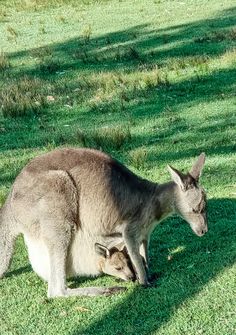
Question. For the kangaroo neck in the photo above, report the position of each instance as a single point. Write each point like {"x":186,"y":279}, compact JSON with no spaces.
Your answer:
{"x":164,"y":199}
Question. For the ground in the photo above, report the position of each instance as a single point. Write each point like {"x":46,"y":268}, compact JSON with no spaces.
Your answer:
{"x":152,"y":83}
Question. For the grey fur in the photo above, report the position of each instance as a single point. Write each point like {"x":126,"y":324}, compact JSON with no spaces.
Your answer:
{"x":70,"y":197}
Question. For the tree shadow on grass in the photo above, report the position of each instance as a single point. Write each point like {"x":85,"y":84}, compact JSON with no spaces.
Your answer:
{"x":137,"y":104}
{"x":139,"y":44}
{"x":197,"y":262}
{"x":155,"y":101}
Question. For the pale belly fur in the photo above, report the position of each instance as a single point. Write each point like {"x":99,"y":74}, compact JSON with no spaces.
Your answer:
{"x":82,"y":259}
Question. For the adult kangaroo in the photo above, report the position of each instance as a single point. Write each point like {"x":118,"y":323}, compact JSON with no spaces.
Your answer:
{"x":83,"y":191}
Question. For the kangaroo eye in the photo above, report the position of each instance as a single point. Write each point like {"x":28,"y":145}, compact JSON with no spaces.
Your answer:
{"x":118,"y":268}
{"x":195,"y":211}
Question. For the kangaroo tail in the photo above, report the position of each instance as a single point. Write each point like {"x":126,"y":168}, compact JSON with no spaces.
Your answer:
{"x":7,"y":238}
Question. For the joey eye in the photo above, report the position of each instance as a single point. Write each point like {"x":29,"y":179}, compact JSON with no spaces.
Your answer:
{"x":118,"y":268}
{"x":195,"y":211}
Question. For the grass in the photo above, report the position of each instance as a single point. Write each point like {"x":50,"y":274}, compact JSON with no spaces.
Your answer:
{"x":4,"y":62}
{"x":22,"y":98}
{"x":152,"y":83}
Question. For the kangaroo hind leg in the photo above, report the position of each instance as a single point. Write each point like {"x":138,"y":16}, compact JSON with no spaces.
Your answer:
{"x":58,"y":217}
{"x":57,"y":251}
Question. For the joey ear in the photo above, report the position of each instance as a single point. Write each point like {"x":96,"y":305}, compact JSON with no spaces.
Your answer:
{"x":102,"y":250}
{"x":177,"y":177}
{"x":197,"y":167}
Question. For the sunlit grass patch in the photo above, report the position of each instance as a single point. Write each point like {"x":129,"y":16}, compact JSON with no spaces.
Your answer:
{"x":111,"y":92}
{"x":138,"y":157}
{"x":3,"y":15}
{"x":187,"y":62}
{"x":107,"y":104}
{"x":111,"y":137}
{"x":129,"y":84}
{"x":229,"y":57}
{"x":105,"y":138}
{"x":12,"y":31}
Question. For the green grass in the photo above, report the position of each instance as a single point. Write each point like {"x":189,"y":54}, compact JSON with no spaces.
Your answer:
{"x":152,"y":83}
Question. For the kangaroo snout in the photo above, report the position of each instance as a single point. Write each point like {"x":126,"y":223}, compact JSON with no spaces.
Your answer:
{"x":131,"y":277}
{"x":200,"y":231}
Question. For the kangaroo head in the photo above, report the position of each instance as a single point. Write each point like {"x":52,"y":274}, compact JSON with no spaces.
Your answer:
{"x":115,"y":262}
{"x":190,"y":198}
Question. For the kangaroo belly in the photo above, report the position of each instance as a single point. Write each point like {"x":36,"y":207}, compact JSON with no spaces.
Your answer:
{"x":38,"y":256}
{"x":82,"y":259}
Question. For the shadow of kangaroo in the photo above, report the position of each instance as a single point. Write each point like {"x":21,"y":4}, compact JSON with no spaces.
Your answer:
{"x":70,"y":197}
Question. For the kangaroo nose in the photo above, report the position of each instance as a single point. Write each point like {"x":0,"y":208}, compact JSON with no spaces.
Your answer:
{"x":204,"y":230}
{"x":131,"y":277}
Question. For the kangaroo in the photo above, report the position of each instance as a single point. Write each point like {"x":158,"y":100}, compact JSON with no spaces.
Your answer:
{"x":68,"y":192}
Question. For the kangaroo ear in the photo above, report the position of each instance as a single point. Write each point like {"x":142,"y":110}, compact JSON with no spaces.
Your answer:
{"x":125,"y":251}
{"x":102,"y":250}
{"x":177,"y":177}
{"x":197,"y":167}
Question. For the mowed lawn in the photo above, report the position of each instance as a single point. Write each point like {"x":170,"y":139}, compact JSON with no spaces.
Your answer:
{"x":152,"y":83}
